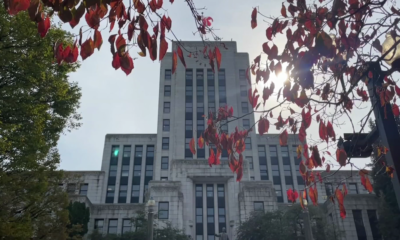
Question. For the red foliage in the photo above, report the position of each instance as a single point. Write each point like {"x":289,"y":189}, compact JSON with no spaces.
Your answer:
{"x":192,"y":146}
{"x":201,"y":141}
{"x":341,"y":157}
{"x":181,"y":57}
{"x":292,"y":195}
{"x":263,"y":125}
{"x":254,"y":18}
{"x":43,"y":26}
{"x":283,"y":137}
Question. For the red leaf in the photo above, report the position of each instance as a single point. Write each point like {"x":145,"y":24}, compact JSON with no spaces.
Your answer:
{"x":59,"y":53}
{"x":207,"y":21}
{"x":218,"y":57}
{"x":116,"y":61}
{"x":283,"y":11}
{"x":98,"y":40}
{"x":192,"y":146}
{"x":306,"y":118}
{"x":92,"y":18}
{"x":263,"y":126}
{"x":253,"y":18}
{"x":163,"y":47}
{"x":368,"y":185}
{"x":301,"y":199}
{"x":181,"y":57}
{"x":15,"y":6}
{"x":273,"y":53}
{"x":302,"y":133}
{"x":131,"y":30}
{"x":174,"y":62}
{"x":121,"y":45}
{"x":395,"y":110}
{"x":328,"y":168}
{"x":201,"y":141}
{"x":217,"y":157}
{"x":341,"y":157}
{"x":397,"y":90}
{"x":269,"y":34}
{"x":289,"y":193}
{"x":283,"y":137}
{"x":344,"y":190}
{"x":171,"y":1}
{"x":126,"y":63}
{"x":72,"y":55}
{"x":330,"y":131}
{"x":312,"y":196}
{"x":44,"y":26}
{"x":240,"y":146}
{"x":322,"y":131}
{"x":87,"y":48}
{"x":211,"y":158}
{"x":342,"y":211}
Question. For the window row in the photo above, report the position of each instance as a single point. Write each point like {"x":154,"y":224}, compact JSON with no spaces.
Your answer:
{"x":72,"y":188}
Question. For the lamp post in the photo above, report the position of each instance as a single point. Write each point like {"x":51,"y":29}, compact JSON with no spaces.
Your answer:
{"x":306,"y":221}
{"x":150,"y":204}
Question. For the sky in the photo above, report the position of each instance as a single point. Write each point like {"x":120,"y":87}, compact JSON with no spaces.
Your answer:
{"x":115,"y":103}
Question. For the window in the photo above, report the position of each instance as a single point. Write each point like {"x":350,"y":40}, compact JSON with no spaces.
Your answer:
{"x":273,"y":151}
{"x":328,"y":189}
{"x":246,"y":123}
{"x":163,"y":210}
{"x":250,"y":162}
{"x":126,"y":226}
{"x":149,"y":170}
{"x":278,"y":191}
{"x":358,"y":221}
{"x":221,"y":191}
{"x":127,"y":152}
{"x":245,"y":107}
{"x":285,"y":151}
{"x":210,"y":191}
{"x":167,"y":90}
{"x":247,"y":141}
{"x":165,"y":143}
{"x":286,"y":170}
{"x":243,"y":90}
{"x":258,"y":206}
{"x":167,"y":74}
{"x":123,"y":190}
{"x":98,"y":225}
{"x":112,"y":226}
{"x":373,"y":223}
{"x":110,"y":191}
{"x":125,"y":171}
{"x":166,"y":125}
{"x":164,"y":179}
{"x":262,"y":158}
{"x":252,"y":178}
{"x":71,"y":187}
{"x":137,"y":170}
{"x":167,"y":107}
{"x":138,"y":151}
{"x":84,"y":189}
{"x":113,"y":170}
{"x":242,"y":75}
{"x":353,"y":188}
{"x":135,"y":190}
{"x":164,"y":162}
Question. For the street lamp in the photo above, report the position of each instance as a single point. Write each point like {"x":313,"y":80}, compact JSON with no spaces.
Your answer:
{"x":394,"y":53}
{"x":150,"y":205}
{"x":306,"y":221}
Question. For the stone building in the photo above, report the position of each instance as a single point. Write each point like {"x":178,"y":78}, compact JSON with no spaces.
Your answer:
{"x":189,"y":194}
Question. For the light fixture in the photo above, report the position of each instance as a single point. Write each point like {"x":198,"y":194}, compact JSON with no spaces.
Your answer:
{"x":151,"y":202}
{"x":394,"y":53}
{"x":305,"y":203}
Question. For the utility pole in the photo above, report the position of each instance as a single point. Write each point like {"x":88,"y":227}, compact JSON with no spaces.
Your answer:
{"x":306,"y":222}
{"x":150,"y":205}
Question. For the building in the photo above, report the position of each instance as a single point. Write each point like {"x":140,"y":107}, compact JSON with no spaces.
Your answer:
{"x":191,"y":195}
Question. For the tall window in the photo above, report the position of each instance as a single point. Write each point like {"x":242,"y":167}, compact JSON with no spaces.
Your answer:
{"x":201,"y":153}
{"x":222,"y":87}
{"x":166,"y":125}
{"x":247,"y":141}
{"x":137,"y":170}
{"x":276,"y":176}
{"x":211,"y":90}
{"x":329,"y":189}
{"x":83,"y":189}
{"x":126,"y":225}
{"x":210,"y":210}
{"x":245,"y":107}
{"x":164,"y":162}
{"x":123,"y":189}
{"x":262,"y":158}
{"x":199,"y":211}
{"x":358,"y":221}
{"x":353,"y":188}
{"x":188,"y":111}
{"x":167,"y":90}
{"x":246,"y":123}
{"x":163,"y":210}
{"x":373,"y":223}
{"x":286,"y":167}
{"x":112,"y":226}
{"x":165,"y":143}
{"x":167,"y":107}
{"x":297,"y":160}
{"x":250,"y":161}
{"x":221,"y":207}
{"x":149,"y":166}
{"x":112,"y":174}
{"x":98,"y":225}
{"x":167,"y":74}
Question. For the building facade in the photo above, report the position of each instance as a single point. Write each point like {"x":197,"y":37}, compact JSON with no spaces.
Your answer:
{"x":197,"y":198}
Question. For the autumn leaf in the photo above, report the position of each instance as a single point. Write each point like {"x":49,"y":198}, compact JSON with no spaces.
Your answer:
{"x":239,"y":174}
{"x":43,"y":26}
{"x":263,"y":125}
{"x":116,"y":61}
{"x":395,"y":110}
{"x":330,"y":131}
{"x":342,"y":211}
{"x":341,"y":157}
{"x":15,"y":6}
{"x":126,"y":63}
{"x":283,"y":11}
{"x":368,"y":185}
{"x":301,"y":199}
{"x":218,"y":56}
{"x":328,"y":168}
{"x":181,"y":57}
{"x":240,"y":146}
{"x":322,"y":131}
{"x":211,"y":158}
{"x":311,"y":194}
{"x":174,"y":62}
{"x":87,"y":48}
{"x":92,"y":18}
{"x":253,"y":18}
{"x":98,"y":40}
{"x":201,"y":141}
{"x":390,"y":171}
{"x":283,"y":137}
{"x":192,"y":146}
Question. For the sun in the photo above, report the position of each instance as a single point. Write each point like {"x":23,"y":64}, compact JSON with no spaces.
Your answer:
{"x":282,"y":77}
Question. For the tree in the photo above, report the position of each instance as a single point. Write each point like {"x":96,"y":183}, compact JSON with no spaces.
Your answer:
{"x":388,"y":210}
{"x":79,"y":215}
{"x":282,"y":225}
{"x":37,"y":103}
{"x":139,"y":232}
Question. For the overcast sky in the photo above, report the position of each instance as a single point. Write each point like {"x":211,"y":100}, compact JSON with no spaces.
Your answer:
{"x":115,"y":103}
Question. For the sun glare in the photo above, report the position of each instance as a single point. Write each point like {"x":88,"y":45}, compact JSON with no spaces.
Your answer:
{"x":282,"y":77}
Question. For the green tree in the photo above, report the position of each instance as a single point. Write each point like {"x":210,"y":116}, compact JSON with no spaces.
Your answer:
{"x":37,"y":103}
{"x":286,"y":225}
{"x":79,"y":216}
{"x":388,"y":210}
{"x":139,"y":232}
